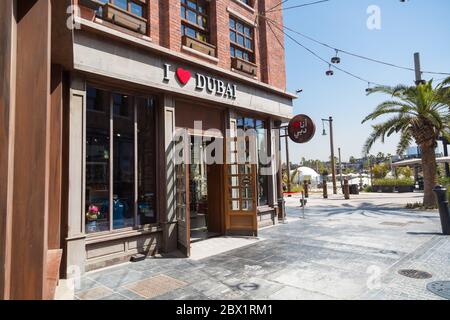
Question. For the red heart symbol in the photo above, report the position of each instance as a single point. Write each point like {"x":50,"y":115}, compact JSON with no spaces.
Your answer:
{"x":183,"y":75}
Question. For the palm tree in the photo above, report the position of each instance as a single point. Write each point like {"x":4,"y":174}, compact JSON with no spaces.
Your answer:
{"x":420,"y":114}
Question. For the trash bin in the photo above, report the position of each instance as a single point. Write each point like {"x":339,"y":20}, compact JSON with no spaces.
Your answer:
{"x":354,"y":189}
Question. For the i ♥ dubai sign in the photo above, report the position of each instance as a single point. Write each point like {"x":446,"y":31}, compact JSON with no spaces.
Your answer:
{"x":203,"y":83}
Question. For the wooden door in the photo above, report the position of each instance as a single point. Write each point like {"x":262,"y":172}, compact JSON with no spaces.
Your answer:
{"x":182,"y":207}
{"x":241,"y":193}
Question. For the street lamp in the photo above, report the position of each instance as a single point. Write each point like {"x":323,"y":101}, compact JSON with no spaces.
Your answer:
{"x":333,"y":162}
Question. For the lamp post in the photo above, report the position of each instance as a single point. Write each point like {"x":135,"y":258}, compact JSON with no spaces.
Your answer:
{"x":288,"y":165}
{"x":340,"y":169}
{"x":333,"y":162}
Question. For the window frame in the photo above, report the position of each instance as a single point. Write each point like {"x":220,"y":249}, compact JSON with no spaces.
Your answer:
{"x":242,"y":121}
{"x":205,"y":31}
{"x":111,"y":114}
{"x":142,"y":3}
{"x":235,"y":44}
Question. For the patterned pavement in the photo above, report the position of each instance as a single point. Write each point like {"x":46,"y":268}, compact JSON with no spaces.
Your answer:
{"x":341,"y":250}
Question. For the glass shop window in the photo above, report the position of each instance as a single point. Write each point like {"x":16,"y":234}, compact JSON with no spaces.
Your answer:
{"x":120,"y":161}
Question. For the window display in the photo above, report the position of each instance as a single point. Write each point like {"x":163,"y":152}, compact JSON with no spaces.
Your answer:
{"x":120,"y":161}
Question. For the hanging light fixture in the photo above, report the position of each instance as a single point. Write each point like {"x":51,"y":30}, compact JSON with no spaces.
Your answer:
{"x":336,"y":59}
{"x":368,"y":89}
{"x":329,"y":71}
{"x":324,"y":133}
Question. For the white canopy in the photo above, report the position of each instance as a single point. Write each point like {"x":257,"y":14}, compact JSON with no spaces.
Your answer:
{"x":306,"y":173}
{"x":411,"y":162}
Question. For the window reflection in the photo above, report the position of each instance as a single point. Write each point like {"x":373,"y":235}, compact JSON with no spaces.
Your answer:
{"x":246,"y":123}
{"x":146,"y":162}
{"x":130,"y":142}
{"x":123,"y":168}
{"x":97,"y":161}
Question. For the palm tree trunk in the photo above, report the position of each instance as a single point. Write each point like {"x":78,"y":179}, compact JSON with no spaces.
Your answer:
{"x":429,"y":174}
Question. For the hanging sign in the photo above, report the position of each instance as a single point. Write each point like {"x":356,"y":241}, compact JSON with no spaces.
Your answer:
{"x":301,"y":129}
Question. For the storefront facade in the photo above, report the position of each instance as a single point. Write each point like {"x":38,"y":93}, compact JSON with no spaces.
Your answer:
{"x":130,"y":99}
{"x":125,"y":153}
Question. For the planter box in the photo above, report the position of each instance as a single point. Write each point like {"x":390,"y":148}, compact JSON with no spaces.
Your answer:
{"x":124,"y":19}
{"x":376,"y":189}
{"x":244,"y":66}
{"x":200,"y":46}
{"x":383,"y":189}
{"x":403,"y":189}
{"x":387,"y":189}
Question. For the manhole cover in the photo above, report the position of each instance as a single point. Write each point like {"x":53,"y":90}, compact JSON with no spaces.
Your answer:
{"x":440,"y":288}
{"x":415,"y":274}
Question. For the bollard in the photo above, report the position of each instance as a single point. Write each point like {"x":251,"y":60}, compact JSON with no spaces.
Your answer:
{"x":325,"y":190}
{"x":441,"y":197}
{"x":305,"y":184}
{"x":346,"y":189}
{"x":282,"y":209}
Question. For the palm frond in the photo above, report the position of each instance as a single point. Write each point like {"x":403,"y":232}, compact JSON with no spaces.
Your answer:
{"x":405,"y":141}
{"x":387,"y":128}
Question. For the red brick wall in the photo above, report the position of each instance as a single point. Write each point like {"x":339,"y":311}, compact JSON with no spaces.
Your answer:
{"x":273,"y":66}
{"x":269,"y":53}
{"x":165,"y":30}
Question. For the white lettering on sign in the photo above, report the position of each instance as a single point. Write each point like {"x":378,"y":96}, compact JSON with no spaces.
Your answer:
{"x":203,"y":83}
{"x":215,"y":86}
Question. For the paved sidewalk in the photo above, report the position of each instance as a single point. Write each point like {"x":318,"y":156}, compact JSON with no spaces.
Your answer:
{"x":342,"y":250}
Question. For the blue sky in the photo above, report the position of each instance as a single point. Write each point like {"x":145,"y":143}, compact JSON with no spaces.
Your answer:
{"x":415,"y":26}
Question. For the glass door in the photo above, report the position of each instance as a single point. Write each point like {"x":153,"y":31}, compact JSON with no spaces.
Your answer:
{"x":241,"y":202}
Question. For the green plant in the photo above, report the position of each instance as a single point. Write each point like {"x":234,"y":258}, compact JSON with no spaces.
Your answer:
{"x":420,"y":114}
{"x":380,"y":170}
{"x":404,"y":171}
{"x":444,"y":181}
{"x":368,"y":189}
{"x":296,"y":188}
{"x":393,"y":182}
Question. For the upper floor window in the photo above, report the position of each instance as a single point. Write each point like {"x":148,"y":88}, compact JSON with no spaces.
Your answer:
{"x":241,"y":40}
{"x":247,"y":2}
{"x":136,"y":7}
{"x":194,"y":19}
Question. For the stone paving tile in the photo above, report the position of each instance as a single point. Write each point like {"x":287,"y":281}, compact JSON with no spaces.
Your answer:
{"x":155,"y":286}
{"x":292,"y":293}
{"x":129,"y":294}
{"x":432,"y":257}
{"x":95,"y":293}
{"x":325,"y":256}
{"x":254,"y":287}
{"x":324,"y":279}
{"x":84,"y":284}
{"x":117,"y":278}
{"x":115,"y":296}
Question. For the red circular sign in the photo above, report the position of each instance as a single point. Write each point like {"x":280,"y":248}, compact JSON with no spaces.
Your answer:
{"x":301,"y":129}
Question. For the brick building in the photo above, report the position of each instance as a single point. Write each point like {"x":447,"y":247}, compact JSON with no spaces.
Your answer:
{"x":94,"y":95}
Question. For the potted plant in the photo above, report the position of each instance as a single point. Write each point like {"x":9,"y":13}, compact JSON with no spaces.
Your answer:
{"x":91,"y":217}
